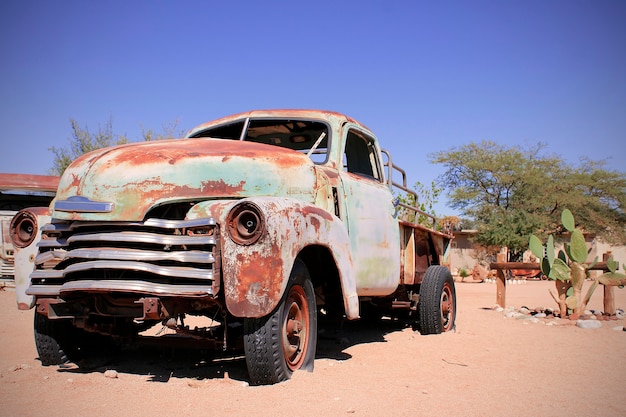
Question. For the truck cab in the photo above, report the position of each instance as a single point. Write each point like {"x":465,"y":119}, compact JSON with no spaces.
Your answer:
{"x":347,"y":164}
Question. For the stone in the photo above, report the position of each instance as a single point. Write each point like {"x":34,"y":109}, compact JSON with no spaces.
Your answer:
{"x":588,"y":324}
{"x":511,"y":314}
{"x":110,"y":373}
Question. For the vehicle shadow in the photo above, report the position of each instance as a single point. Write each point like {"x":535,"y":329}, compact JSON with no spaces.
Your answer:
{"x":159,"y":360}
{"x":335,"y":337}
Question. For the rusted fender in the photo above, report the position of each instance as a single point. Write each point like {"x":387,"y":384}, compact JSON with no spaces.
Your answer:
{"x":255,"y":275}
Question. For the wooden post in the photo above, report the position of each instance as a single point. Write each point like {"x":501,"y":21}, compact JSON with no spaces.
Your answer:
{"x":609,"y":300}
{"x":501,"y":267}
{"x":609,"y":292}
{"x":501,"y":282}
{"x":501,"y":288}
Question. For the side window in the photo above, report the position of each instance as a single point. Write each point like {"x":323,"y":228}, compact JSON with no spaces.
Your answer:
{"x":360,"y":156}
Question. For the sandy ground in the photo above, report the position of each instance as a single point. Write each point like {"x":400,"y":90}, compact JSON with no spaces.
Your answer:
{"x":489,"y":366}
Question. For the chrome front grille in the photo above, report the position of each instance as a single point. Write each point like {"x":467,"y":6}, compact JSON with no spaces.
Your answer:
{"x":175,"y":257}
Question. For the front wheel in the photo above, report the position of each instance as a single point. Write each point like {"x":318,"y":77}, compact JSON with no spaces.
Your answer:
{"x":284,"y":341}
{"x":58,"y":342}
{"x":53,"y":340}
{"x":437,"y":303}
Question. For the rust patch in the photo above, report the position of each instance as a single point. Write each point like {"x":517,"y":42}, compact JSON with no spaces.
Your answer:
{"x":75,"y":181}
{"x":259,"y":284}
{"x":142,"y":153}
{"x":176,"y":150}
{"x":222,"y":188}
{"x":309,"y":211}
{"x":315,"y":223}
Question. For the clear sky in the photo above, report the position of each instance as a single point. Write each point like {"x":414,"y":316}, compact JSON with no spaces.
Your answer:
{"x":425,"y":76}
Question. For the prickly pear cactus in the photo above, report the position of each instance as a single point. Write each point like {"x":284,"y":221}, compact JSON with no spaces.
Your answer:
{"x":567,"y":267}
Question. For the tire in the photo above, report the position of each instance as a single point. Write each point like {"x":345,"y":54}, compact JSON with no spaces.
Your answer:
{"x":52,"y":339}
{"x":286,"y":340}
{"x":58,"y":342}
{"x":437,"y":303}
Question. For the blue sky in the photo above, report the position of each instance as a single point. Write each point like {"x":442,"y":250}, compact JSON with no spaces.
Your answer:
{"x":425,"y":76}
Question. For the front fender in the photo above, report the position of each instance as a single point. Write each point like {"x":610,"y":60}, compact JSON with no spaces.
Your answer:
{"x":255,"y":276}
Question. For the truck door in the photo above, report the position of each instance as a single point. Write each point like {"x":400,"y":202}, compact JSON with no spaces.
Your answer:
{"x":373,"y":230}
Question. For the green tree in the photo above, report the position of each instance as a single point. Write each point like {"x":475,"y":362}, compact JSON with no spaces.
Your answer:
{"x":512,"y":192}
{"x":83,"y":141}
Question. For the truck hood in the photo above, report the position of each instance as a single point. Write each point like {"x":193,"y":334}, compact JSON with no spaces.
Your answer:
{"x":125,"y":182}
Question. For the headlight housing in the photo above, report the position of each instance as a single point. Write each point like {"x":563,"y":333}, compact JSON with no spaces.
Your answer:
{"x":23,"y":228}
{"x":245,"y":223}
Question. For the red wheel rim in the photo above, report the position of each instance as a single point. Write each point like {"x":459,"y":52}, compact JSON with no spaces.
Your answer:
{"x":295,"y":327}
{"x":447,"y":307}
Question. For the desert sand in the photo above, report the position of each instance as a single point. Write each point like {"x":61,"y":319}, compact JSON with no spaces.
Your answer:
{"x":491,"y":365}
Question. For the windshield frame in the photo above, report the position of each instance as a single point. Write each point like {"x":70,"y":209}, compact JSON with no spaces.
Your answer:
{"x":241,"y":129}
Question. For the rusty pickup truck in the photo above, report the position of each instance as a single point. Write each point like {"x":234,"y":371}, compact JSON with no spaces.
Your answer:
{"x":260,"y":222}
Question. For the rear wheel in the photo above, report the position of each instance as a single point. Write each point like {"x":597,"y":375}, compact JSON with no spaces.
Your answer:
{"x":437,"y":304}
{"x":284,"y":341}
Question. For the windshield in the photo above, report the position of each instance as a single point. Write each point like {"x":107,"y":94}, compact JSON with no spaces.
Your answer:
{"x":306,"y":136}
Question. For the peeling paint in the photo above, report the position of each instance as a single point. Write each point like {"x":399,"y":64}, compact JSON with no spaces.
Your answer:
{"x":138,"y":177}
{"x":294,"y":226}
